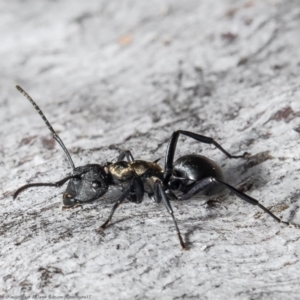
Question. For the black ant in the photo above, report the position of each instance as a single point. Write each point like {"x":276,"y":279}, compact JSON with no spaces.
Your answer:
{"x":190,"y":174}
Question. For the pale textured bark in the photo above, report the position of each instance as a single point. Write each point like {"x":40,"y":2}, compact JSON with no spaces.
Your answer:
{"x":113,"y":75}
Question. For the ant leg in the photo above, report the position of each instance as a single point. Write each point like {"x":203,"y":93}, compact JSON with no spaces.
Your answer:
{"x":204,"y":183}
{"x":138,"y":194}
{"x":127,"y":154}
{"x":250,"y":200}
{"x":169,"y":193}
{"x":197,"y":188}
{"x":172,"y":148}
{"x":160,"y":195}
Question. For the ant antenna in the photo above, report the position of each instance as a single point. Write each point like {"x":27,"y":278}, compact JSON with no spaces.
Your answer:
{"x":55,"y":184}
{"x":55,"y":135}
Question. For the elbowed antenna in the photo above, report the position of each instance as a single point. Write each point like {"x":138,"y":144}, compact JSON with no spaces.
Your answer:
{"x":55,"y":135}
{"x":55,"y":184}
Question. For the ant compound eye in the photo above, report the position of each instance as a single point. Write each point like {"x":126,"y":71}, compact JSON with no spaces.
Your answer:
{"x":96,"y":184}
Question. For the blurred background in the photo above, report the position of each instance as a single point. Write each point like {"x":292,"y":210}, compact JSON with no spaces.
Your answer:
{"x":115,"y":75}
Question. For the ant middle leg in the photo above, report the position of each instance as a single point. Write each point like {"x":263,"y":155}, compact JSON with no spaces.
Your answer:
{"x":161,"y":196}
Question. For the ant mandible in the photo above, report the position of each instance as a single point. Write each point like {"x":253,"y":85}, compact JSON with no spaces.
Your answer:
{"x":189,"y":175}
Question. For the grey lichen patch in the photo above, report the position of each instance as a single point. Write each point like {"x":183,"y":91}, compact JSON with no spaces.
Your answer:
{"x":48,"y":143}
{"x":245,"y":187}
{"x":257,"y":159}
{"x":285,"y":114}
{"x":279,"y":208}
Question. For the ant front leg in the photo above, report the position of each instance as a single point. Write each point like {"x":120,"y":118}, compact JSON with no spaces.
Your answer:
{"x":135,"y":184}
{"x":200,"y":138}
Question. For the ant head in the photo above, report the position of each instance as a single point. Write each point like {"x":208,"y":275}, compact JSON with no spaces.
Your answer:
{"x":87,"y":184}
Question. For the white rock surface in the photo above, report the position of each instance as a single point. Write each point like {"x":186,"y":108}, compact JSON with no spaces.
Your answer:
{"x":113,"y":75}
